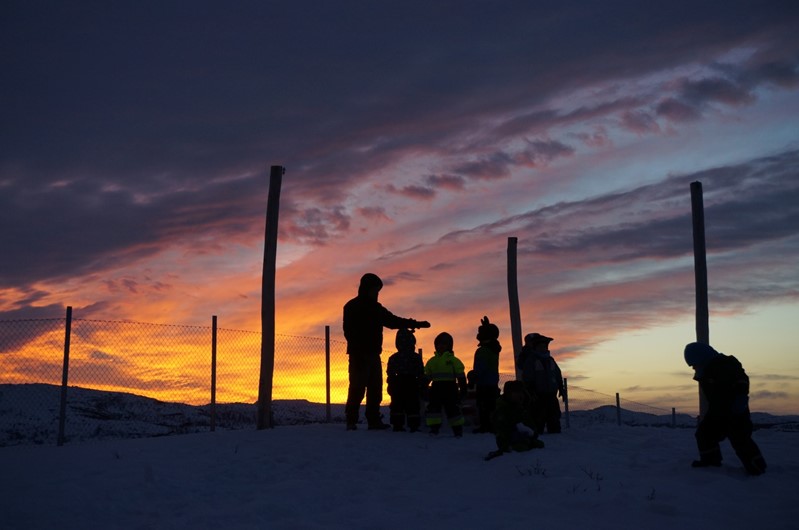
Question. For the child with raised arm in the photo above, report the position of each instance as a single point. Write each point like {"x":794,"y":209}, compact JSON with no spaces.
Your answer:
{"x":486,"y":373}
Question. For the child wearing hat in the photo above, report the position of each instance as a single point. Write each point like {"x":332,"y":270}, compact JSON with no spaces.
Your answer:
{"x":544,"y":381}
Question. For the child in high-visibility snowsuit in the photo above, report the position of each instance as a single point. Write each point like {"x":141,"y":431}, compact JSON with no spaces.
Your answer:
{"x":447,"y":385}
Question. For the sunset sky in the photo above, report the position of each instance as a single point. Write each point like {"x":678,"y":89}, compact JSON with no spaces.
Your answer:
{"x":136,"y":140}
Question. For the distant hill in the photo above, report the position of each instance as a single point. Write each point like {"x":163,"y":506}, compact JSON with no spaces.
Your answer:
{"x":29,"y":414}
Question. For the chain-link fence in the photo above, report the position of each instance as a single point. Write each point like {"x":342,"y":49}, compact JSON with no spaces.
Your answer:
{"x":152,"y":379}
{"x":157,"y":379}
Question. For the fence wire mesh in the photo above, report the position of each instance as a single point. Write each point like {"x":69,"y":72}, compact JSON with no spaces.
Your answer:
{"x":130,"y":361}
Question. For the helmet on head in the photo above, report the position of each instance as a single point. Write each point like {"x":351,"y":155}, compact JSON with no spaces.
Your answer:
{"x":444,"y":342}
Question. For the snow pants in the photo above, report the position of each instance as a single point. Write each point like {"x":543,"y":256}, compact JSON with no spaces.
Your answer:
{"x":738,"y":428}
{"x":444,"y":396}
{"x":546,"y":409}
{"x":405,"y":403}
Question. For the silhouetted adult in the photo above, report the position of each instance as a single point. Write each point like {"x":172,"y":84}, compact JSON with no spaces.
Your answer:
{"x":364,"y":320}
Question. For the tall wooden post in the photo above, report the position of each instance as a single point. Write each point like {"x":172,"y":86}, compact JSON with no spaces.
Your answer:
{"x":327,"y":375}
{"x":700,"y":275}
{"x":268,"y":300}
{"x":213,"y":372}
{"x":62,"y":414}
{"x":513,"y":302}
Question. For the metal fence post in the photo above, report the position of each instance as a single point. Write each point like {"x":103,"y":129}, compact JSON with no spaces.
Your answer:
{"x":213,"y":373}
{"x":62,"y":416}
{"x":327,"y":374}
{"x":673,"y":417}
{"x":618,"y":409}
{"x":566,"y":400}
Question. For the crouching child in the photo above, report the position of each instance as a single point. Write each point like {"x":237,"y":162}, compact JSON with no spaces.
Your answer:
{"x":725,"y":385}
{"x":514,"y":407}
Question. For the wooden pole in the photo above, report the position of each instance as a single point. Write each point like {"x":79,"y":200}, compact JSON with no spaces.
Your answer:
{"x":213,"y":373}
{"x":62,"y":416}
{"x":328,"y":415}
{"x":513,"y":302}
{"x":268,"y":300}
{"x":700,"y":275}
{"x":700,"y":264}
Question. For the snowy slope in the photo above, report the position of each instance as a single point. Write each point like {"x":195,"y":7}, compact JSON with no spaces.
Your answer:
{"x":320,"y":476}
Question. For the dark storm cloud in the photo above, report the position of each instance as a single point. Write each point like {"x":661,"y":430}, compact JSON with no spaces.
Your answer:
{"x":402,"y":277}
{"x":80,"y":226}
{"x":314,"y":225}
{"x":781,"y":73}
{"x":26,"y":323}
{"x":677,"y":111}
{"x":745,"y":205}
{"x":492,"y":167}
{"x":127,"y":127}
{"x":413,"y":191}
{"x":542,"y":152}
{"x":448,"y":182}
{"x":716,"y":89}
{"x":640,"y":122}
{"x":374,"y":213}
{"x":694,"y":96}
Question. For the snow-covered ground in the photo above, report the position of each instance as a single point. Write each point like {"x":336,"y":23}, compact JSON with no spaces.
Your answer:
{"x":594,"y":475}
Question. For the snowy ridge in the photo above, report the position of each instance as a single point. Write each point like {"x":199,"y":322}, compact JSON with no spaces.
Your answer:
{"x":29,"y":415}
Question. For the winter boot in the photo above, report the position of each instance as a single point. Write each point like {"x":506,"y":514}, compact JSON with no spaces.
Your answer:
{"x":756,"y":466}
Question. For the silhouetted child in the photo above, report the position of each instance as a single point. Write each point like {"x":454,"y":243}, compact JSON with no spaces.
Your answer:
{"x":725,"y":385}
{"x":486,"y":373}
{"x":514,"y":407}
{"x":447,"y":385}
{"x":544,"y":381}
{"x":404,"y":379}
